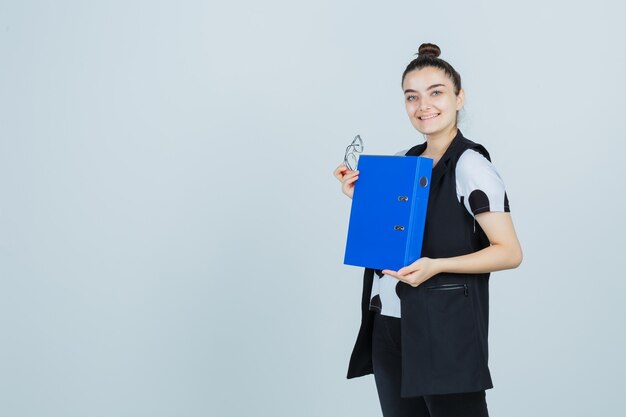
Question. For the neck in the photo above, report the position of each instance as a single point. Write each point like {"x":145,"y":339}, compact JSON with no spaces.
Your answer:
{"x":438,"y":143}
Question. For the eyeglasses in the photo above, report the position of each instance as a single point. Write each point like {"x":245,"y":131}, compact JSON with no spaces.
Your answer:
{"x":351,"y":158}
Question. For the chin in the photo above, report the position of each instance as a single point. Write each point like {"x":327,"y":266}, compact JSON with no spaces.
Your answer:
{"x":429,"y":131}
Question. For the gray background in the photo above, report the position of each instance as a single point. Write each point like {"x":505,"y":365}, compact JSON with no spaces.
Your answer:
{"x":171,"y":236}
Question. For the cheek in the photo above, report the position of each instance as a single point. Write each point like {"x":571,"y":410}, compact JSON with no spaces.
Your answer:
{"x":448,"y":104}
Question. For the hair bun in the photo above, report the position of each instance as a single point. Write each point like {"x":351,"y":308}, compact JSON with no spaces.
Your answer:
{"x":429,"y":49}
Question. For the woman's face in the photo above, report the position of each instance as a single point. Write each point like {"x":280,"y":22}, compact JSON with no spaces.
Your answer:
{"x":429,"y":92}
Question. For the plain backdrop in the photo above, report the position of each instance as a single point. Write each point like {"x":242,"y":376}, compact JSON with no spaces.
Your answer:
{"x":172,"y":237}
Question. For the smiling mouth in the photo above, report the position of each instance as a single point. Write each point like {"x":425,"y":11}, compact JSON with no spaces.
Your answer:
{"x":432,"y":116}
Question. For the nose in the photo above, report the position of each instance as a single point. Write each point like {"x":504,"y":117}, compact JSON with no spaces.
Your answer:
{"x":424,"y":105}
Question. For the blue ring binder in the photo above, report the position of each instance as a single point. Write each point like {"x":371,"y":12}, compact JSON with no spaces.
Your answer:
{"x":390,"y":196}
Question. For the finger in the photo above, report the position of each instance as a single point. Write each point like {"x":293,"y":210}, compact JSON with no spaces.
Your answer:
{"x":351,"y":174}
{"x":392,"y":274}
{"x":338,"y":172}
{"x":415,"y":278}
{"x":405,"y":270}
{"x":350,"y":181}
{"x":342,"y":167}
{"x":346,"y":174}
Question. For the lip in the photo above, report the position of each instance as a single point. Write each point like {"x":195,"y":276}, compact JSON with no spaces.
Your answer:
{"x":431,"y":118}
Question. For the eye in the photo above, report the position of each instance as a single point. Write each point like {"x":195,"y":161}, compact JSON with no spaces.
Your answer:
{"x":410,"y":98}
{"x":437,"y":91}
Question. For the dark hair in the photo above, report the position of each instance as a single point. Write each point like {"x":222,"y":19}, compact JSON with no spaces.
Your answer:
{"x":428,"y":56}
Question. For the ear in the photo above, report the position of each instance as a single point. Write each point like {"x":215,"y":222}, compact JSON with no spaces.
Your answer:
{"x":460,"y":99}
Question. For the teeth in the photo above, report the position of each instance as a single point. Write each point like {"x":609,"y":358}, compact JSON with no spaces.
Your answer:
{"x":428,"y":117}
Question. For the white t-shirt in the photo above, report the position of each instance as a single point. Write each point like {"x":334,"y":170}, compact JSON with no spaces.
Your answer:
{"x":481,"y":188}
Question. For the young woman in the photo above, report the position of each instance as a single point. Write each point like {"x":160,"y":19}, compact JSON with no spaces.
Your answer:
{"x":424,"y":327}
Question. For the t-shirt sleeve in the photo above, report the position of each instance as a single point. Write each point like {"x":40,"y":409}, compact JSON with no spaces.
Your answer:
{"x":478,"y":184}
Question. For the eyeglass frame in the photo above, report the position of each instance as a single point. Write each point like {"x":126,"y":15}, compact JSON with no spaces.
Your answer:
{"x":356,"y":147}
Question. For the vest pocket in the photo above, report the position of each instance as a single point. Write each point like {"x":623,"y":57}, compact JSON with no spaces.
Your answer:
{"x":452,"y":329}
{"x":449,"y":287}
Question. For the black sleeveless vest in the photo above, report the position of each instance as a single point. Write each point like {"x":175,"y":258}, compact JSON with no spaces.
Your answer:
{"x":443,"y":332}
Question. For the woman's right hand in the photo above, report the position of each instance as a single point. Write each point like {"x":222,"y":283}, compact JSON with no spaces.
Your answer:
{"x":347,"y":178}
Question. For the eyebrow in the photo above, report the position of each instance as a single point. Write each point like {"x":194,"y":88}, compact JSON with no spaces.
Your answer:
{"x":432,"y":86}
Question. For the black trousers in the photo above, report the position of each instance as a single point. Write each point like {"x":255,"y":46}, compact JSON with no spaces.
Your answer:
{"x":387,"y":373}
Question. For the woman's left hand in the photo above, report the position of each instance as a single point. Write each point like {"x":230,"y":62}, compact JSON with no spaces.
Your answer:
{"x":416,"y":273}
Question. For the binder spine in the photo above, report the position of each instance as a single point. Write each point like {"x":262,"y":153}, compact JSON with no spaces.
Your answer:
{"x":409,"y":256}
{"x":418,"y":211}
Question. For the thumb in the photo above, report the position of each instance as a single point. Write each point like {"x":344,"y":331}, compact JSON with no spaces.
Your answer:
{"x":407,"y":270}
